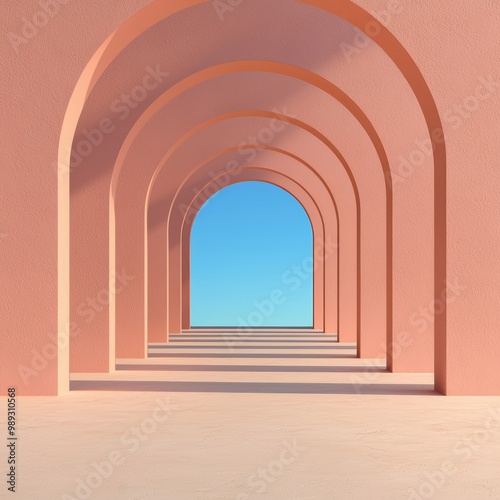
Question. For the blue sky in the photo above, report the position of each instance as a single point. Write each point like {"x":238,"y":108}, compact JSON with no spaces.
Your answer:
{"x":249,"y":248}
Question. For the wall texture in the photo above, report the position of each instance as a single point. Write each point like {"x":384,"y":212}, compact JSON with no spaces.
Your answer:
{"x":300,"y":62}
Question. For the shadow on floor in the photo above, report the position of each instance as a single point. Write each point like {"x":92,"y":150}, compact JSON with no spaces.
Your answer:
{"x":193,"y":354}
{"x":231,"y":338}
{"x":179,"y":337}
{"x":250,"y":368}
{"x":255,"y":387}
{"x":249,"y":346}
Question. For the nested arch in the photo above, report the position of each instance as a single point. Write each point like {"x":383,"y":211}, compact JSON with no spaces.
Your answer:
{"x":301,"y":74}
{"x":243,"y":113}
{"x":310,"y":206}
{"x":170,"y":179}
{"x":271,"y":115}
{"x":225,"y":69}
{"x":311,"y":181}
{"x":289,"y":70}
{"x":352,"y":13}
{"x":155,"y":274}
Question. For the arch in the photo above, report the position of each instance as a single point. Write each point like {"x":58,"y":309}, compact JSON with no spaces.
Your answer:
{"x":94,"y":69}
{"x":172,"y":220}
{"x":197,"y":128}
{"x":277,"y":116}
{"x":395,"y":55}
{"x":242,"y":199}
{"x":395,"y":50}
{"x":170,"y":183}
{"x":310,"y":206}
{"x":304,"y":75}
{"x":300,"y":74}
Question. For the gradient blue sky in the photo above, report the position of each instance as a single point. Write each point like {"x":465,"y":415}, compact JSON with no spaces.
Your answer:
{"x":245,"y":242}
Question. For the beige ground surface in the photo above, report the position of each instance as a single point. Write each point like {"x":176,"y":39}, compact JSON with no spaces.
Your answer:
{"x":270,"y":417}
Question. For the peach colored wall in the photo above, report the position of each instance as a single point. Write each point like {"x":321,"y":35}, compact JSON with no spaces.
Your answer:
{"x":35,"y":91}
{"x":455,"y":69}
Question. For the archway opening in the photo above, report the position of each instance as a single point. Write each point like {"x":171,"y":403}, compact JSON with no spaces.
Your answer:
{"x":251,"y":260}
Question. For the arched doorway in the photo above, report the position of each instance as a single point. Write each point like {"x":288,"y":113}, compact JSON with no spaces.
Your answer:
{"x":252,"y":260}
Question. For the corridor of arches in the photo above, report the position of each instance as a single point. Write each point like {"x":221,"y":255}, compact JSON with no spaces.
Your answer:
{"x":336,"y":103}
{"x":254,"y":228}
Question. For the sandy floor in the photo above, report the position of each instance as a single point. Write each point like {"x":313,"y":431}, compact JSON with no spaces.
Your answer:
{"x":271,"y":417}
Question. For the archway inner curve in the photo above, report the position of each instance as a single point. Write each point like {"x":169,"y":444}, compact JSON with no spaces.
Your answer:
{"x":292,"y":168}
{"x":322,"y":302}
{"x":251,"y":259}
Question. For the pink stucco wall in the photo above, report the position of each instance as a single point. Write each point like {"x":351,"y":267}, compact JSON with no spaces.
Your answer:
{"x":418,"y":229}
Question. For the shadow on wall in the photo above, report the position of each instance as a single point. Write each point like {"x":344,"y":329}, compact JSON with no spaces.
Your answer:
{"x":229,"y":38}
